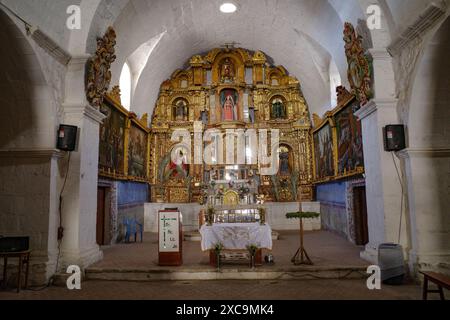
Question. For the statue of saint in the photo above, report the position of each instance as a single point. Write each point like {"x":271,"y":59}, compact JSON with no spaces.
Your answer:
{"x":228,"y":109}
{"x":278,"y":109}
{"x":229,"y":105}
{"x":284,"y":163}
{"x":227,"y":71}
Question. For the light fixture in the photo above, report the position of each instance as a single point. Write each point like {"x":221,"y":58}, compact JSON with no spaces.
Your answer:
{"x":228,"y":7}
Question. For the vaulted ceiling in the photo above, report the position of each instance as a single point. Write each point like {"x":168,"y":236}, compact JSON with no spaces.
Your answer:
{"x":156,"y":37}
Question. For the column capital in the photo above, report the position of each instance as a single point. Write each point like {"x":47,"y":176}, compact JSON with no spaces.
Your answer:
{"x":80,"y":58}
{"x":380,"y":54}
{"x":84,"y":110}
{"x":375,"y":105}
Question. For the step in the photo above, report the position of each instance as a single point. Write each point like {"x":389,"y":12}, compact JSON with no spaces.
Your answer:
{"x":227,"y":273}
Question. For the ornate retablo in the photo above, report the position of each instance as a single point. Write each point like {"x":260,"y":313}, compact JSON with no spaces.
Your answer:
{"x":230,"y":89}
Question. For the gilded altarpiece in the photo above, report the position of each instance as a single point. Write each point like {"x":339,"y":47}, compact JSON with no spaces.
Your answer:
{"x":230,"y":89}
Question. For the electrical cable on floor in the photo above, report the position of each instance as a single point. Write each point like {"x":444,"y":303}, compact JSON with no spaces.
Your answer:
{"x":402,"y":197}
{"x":59,"y":228}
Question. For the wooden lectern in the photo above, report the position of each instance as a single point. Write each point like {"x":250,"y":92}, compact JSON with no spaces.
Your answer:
{"x":170,"y":238}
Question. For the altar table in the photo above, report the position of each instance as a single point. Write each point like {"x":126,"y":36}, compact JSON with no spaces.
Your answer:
{"x":236,"y":236}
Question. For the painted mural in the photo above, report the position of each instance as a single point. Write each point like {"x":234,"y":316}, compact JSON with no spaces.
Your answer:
{"x":112,"y":138}
{"x":349,"y":141}
{"x":323,"y":152}
{"x":137,"y":152}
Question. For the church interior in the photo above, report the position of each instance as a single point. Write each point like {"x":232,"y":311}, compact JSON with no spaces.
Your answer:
{"x":191,"y":140}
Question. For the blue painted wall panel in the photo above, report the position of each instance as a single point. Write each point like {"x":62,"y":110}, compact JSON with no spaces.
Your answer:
{"x":131,"y":193}
{"x":335,"y":192}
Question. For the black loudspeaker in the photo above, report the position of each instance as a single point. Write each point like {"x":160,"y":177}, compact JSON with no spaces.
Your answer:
{"x":394,"y":137}
{"x":14,"y":244}
{"x":67,"y":137}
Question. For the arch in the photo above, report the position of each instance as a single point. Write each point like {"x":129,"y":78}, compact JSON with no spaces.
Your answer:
{"x":28,"y":118}
{"x":28,"y":162}
{"x":429,"y":114}
{"x":428,"y":156}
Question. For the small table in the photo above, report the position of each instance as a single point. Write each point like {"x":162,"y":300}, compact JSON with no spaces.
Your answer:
{"x":24,"y":258}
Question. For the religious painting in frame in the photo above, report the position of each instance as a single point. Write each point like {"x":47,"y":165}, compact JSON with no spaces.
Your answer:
{"x":323,"y":152}
{"x":137,"y":151}
{"x":350,"y":154}
{"x":112,"y":141}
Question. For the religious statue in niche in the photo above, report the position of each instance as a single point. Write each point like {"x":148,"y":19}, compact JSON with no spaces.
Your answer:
{"x":228,"y":99}
{"x":180,"y":110}
{"x":278,"y":109}
{"x":284,"y":161}
{"x":227,"y":71}
{"x":251,"y":115}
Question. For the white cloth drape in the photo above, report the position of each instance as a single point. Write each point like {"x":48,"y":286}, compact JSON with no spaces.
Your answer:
{"x":236,"y":236}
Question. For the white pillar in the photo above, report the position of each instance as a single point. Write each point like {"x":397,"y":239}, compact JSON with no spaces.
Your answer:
{"x":79,"y":213}
{"x":428,"y":175}
{"x":382,"y":184}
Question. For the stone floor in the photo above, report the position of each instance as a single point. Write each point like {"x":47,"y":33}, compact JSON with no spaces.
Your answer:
{"x":223,"y":290}
{"x":324,"y":248}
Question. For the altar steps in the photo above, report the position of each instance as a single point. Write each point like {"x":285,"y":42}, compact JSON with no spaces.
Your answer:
{"x":227,"y":273}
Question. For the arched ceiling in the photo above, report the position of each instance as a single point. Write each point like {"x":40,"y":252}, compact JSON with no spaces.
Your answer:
{"x":302,"y":35}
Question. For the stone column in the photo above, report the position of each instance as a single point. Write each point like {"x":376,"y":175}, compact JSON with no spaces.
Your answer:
{"x":79,"y":211}
{"x":383,"y":187}
{"x":382,"y":184}
{"x":428,"y":175}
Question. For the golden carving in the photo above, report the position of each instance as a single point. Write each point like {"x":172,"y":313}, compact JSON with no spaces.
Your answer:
{"x":214,"y":79}
{"x":98,"y":70}
{"x":359,"y":65}
{"x":231,"y":198}
{"x":116,"y":95}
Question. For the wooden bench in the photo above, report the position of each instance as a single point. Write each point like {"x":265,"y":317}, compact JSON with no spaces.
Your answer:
{"x":440,"y":280}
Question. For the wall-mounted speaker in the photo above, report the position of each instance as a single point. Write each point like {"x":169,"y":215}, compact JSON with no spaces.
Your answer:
{"x":394,"y":138}
{"x":67,"y":137}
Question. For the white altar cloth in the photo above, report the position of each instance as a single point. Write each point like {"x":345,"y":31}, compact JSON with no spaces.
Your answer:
{"x":236,"y":236}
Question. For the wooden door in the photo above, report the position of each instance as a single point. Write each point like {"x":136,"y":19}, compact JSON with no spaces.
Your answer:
{"x":101,"y":197}
{"x":360,"y":215}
